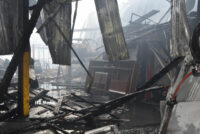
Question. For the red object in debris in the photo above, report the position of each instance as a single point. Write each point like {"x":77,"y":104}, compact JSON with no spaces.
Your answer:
{"x":148,"y":96}
{"x":180,"y":83}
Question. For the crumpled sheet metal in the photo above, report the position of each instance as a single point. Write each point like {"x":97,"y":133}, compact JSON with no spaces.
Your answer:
{"x":59,"y":48}
{"x":185,"y":118}
{"x":111,"y":29}
{"x":11,"y":24}
{"x":180,"y":34}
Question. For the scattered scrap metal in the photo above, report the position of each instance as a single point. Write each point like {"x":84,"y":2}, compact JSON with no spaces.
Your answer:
{"x":73,"y":112}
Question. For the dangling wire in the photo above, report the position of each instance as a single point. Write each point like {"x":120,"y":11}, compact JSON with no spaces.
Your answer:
{"x":74,"y":19}
{"x":82,"y":64}
{"x":180,"y":83}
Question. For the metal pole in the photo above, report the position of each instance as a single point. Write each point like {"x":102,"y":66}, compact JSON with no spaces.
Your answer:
{"x":23,"y":71}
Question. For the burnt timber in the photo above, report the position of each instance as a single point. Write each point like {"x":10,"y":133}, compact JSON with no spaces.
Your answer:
{"x":146,"y":80}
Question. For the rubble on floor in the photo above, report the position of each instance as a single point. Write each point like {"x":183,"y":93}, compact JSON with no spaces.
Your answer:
{"x":72,"y":111}
{"x":63,"y":113}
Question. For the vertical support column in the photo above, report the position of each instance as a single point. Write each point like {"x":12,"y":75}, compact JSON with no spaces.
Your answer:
{"x":198,"y":11}
{"x":23,"y":71}
{"x":24,"y":84}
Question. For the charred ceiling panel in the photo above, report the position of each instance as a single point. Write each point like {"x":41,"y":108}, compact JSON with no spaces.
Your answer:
{"x":61,"y":20}
{"x":180,"y":35}
{"x":111,"y":29}
{"x":10,"y":25}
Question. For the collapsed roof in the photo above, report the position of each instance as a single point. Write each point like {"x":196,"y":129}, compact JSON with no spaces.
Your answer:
{"x":54,"y":27}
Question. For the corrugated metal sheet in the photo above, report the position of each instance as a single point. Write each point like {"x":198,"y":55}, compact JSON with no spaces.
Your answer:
{"x":111,"y":29}
{"x":11,"y":24}
{"x":180,"y":34}
{"x":59,"y":48}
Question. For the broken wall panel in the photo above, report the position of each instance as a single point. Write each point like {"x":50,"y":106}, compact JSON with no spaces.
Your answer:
{"x":111,"y":29}
{"x":11,"y":24}
{"x":117,"y":76}
{"x":180,"y":34}
{"x":59,"y":48}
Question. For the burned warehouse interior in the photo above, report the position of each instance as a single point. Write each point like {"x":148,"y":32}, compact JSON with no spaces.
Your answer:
{"x":99,"y":66}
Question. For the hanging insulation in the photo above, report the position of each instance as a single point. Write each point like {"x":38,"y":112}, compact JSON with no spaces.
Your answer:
{"x":11,"y":23}
{"x":59,"y":48}
{"x":111,"y":29}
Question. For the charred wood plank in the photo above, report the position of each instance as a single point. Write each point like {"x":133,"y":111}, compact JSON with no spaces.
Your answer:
{"x":41,"y":112}
{"x":38,"y":96}
{"x":46,"y":97}
{"x":109,"y":106}
{"x":50,"y":108}
{"x":82,"y":99}
{"x":92,"y":104}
